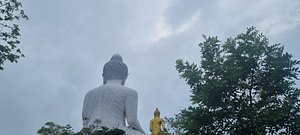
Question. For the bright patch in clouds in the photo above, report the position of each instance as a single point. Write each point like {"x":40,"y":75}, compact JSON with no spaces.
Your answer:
{"x":163,"y":30}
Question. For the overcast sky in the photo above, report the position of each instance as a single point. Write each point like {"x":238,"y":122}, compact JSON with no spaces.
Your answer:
{"x":67,"y":42}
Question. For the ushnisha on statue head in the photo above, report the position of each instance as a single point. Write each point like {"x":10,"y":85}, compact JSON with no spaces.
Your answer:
{"x":115,"y":69}
{"x":156,"y":113}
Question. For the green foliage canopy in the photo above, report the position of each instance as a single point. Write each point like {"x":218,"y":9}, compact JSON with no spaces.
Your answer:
{"x":50,"y":128}
{"x":242,"y":86}
{"x":10,"y":11}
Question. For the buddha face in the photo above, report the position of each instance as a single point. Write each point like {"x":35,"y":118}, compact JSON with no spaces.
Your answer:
{"x":115,"y":69}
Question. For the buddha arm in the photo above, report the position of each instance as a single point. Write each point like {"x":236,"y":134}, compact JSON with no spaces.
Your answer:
{"x":86,"y":109}
{"x":151,"y":125}
{"x":131,"y":106}
{"x":163,"y":124}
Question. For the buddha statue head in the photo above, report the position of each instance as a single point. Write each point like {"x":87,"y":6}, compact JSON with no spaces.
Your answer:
{"x":115,"y":69}
{"x":156,"y":113}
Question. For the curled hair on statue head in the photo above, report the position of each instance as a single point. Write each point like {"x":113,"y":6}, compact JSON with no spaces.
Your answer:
{"x":115,"y":69}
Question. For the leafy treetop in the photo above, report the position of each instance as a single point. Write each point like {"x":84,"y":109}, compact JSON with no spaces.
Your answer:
{"x":242,"y":86}
{"x":10,"y":11}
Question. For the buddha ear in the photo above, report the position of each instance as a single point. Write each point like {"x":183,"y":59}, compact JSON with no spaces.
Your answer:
{"x":104,"y":81}
{"x":124,"y":80}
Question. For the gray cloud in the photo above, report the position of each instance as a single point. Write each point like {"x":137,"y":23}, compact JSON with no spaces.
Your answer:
{"x":66,"y":43}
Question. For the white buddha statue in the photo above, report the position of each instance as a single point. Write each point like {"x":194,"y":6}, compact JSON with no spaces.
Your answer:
{"x":112,"y":103}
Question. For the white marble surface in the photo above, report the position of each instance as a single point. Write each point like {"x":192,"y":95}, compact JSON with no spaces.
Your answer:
{"x":112,"y":103}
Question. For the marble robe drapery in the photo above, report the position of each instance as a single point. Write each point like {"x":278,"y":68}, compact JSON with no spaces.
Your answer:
{"x":111,"y":104}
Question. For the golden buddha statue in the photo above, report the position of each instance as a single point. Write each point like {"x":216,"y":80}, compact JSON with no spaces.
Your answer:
{"x":156,"y":123}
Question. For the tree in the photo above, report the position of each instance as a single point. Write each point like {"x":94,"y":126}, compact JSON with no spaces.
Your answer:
{"x":172,"y":125}
{"x":50,"y":128}
{"x":242,"y":86}
{"x":10,"y":12}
